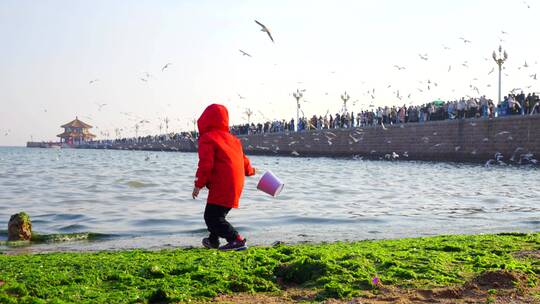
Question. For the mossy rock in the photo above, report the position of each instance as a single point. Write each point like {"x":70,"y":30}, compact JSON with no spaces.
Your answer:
{"x":20,"y":227}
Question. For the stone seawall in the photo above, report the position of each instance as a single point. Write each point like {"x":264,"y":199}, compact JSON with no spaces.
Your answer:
{"x":183,"y":145}
{"x":466,"y":140}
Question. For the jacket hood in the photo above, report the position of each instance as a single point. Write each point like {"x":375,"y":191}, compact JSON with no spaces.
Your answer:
{"x":214,"y":117}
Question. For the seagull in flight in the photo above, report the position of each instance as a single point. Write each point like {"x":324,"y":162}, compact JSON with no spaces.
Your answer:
{"x":92,"y":81}
{"x":492,"y":70}
{"x":465,"y":40}
{"x":265,"y":29}
{"x":100,"y":105}
{"x":423,"y":57}
{"x":244,"y":53}
{"x":533,"y":76}
{"x":399,"y":67}
{"x":165,"y":66}
{"x":446,"y":47}
{"x":240,"y":96}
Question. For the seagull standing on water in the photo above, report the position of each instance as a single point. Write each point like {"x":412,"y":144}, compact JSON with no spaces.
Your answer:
{"x":265,"y":29}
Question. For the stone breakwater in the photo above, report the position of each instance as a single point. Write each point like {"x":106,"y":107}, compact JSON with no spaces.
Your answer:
{"x":465,"y":140}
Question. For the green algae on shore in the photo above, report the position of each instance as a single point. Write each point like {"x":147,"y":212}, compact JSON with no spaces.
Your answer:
{"x":54,"y":238}
{"x":336,"y":270}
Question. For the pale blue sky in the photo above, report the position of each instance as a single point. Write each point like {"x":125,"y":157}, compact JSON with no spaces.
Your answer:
{"x":50,"y":50}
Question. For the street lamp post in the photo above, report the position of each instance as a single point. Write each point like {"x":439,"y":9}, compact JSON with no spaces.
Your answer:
{"x":297,"y":95}
{"x":500,"y":60}
{"x":194,"y":121}
{"x":248,"y":113}
{"x":345,"y":97}
{"x":166,"y":125}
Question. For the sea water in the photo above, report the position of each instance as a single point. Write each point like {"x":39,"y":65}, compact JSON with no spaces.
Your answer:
{"x":138,"y":199}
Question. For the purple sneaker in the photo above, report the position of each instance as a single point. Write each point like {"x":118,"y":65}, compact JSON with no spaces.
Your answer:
{"x":234,"y":245}
{"x":209,"y":244}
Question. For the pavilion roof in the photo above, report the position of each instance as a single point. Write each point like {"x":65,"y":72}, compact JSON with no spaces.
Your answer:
{"x":75,"y":135}
{"x":76,"y":123}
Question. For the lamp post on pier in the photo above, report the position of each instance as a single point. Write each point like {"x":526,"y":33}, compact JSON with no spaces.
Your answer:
{"x":297,"y":95}
{"x":500,"y":61}
{"x":166,"y":125}
{"x":248,"y":113}
{"x":345,"y":97}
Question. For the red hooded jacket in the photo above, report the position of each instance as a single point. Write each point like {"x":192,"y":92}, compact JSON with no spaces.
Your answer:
{"x":222,"y":163}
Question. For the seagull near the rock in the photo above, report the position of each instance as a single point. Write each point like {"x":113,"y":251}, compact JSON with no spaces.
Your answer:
{"x":92,"y":81}
{"x":265,"y":29}
{"x":165,"y":66}
{"x":244,"y":53}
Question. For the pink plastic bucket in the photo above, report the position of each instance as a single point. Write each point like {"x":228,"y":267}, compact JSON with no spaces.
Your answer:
{"x":270,"y":184}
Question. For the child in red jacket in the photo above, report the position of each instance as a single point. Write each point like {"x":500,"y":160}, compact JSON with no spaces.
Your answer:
{"x":222,"y":167}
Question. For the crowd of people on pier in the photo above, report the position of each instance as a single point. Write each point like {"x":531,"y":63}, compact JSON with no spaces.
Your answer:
{"x":149,"y":139}
{"x":513,"y":104}
{"x":482,"y":107}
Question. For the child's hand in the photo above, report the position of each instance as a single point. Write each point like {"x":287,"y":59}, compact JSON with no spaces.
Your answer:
{"x":195,"y":192}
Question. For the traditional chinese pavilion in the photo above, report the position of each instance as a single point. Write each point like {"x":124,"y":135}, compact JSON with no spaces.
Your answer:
{"x":76,"y":132}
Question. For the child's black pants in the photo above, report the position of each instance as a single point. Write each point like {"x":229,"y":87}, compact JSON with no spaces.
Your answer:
{"x":214,"y":217}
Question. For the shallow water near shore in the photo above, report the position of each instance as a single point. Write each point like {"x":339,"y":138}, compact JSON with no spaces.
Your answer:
{"x":138,"y":199}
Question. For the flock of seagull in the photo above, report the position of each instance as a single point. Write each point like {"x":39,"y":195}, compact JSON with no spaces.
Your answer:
{"x":329,"y":136}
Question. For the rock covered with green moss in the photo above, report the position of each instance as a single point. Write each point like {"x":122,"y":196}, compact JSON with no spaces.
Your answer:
{"x":20,"y":227}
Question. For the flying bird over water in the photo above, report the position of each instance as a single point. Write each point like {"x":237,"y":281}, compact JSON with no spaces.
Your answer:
{"x":100,"y":105}
{"x":244,"y":53}
{"x":423,"y":57}
{"x":265,"y":29}
{"x":399,"y":67}
{"x":464,"y":40}
{"x":92,"y":81}
{"x":165,"y":66}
